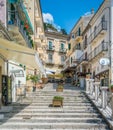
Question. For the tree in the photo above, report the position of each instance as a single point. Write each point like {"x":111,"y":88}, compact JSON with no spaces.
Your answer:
{"x":63,"y":31}
{"x":49,"y":26}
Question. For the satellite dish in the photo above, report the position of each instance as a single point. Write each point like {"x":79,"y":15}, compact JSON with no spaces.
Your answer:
{"x":104,"y":61}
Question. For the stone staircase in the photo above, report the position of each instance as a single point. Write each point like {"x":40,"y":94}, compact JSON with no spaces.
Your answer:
{"x":35,"y":112}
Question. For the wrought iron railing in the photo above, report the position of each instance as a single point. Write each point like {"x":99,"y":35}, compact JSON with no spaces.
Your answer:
{"x":83,"y":58}
{"x":102,"y":47}
{"x":101,"y":26}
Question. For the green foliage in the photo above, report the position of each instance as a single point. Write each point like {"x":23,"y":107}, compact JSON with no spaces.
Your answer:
{"x":63,"y":31}
{"x":28,"y":77}
{"x":34,"y":78}
{"x":60,"y":86}
{"x":111,"y":86}
{"x":49,"y":26}
{"x":58,"y":98}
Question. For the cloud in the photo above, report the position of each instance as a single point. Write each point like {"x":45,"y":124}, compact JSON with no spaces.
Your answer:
{"x":87,"y":13}
{"x":48,"y":18}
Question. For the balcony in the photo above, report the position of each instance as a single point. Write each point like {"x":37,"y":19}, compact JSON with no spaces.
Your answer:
{"x":83,"y":59}
{"x":18,"y":31}
{"x":62,"y":51}
{"x":50,"y":49}
{"x":98,"y":32}
{"x":78,"y":36}
{"x":74,"y":62}
{"x":75,"y":48}
{"x":24,"y":15}
{"x":61,"y":65}
{"x":50,"y":62}
{"x":98,"y":51}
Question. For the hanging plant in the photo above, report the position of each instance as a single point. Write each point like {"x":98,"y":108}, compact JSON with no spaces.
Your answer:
{"x":22,"y":22}
{"x":29,"y":37}
{"x":26,"y":26}
{"x":27,"y":33}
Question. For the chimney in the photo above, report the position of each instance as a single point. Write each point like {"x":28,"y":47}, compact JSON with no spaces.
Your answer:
{"x":92,"y":11}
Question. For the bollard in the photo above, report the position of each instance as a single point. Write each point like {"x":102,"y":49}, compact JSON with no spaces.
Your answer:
{"x":104,"y":96}
{"x":96,"y":84}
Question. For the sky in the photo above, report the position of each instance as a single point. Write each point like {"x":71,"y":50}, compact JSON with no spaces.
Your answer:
{"x":65,"y":13}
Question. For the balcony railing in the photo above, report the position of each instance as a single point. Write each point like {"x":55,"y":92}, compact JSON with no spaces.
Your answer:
{"x":22,"y":6}
{"x":50,"y":49}
{"x":50,"y":62}
{"x":101,"y":27}
{"x":76,"y":48}
{"x":83,"y":58}
{"x":61,"y":64}
{"x":77,"y":34}
{"x":99,"y":49}
{"x":62,"y":50}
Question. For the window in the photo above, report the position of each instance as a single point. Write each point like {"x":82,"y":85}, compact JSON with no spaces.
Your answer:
{"x":103,"y":21}
{"x":62,"y":46}
{"x":62,"y":59}
{"x":103,"y":18}
{"x":50,"y":57}
{"x":86,"y":56}
{"x":69,"y":46}
{"x":78,"y":46}
{"x":79,"y":31}
{"x":95,"y":28}
{"x":85,"y":42}
{"x":71,"y":60}
{"x":73,"y":36}
{"x":50,"y":45}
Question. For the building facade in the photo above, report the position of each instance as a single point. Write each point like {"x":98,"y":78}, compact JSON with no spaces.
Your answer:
{"x":20,"y":33}
{"x":95,"y":46}
{"x":73,"y":65}
{"x":55,"y":51}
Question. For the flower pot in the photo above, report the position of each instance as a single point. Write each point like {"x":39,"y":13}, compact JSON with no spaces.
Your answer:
{"x":59,"y":89}
{"x":111,"y":89}
{"x":57,"y":102}
{"x":44,"y":80}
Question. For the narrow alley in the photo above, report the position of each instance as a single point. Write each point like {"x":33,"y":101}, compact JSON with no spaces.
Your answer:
{"x":35,"y":111}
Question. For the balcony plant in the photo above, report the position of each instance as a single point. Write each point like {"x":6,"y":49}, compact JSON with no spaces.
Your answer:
{"x":57,"y":101}
{"x":111,"y":88}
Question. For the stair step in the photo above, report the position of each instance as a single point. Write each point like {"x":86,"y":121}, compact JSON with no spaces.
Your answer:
{"x":53,"y":125}
{"x":52,"y":120}
{"x":35,"y":112}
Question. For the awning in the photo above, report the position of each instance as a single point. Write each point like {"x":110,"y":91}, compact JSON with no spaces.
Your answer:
{"x":12,"y":51}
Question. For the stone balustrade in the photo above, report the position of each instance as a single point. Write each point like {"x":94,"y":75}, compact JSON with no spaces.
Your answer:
{"x":104,"y":96}
{"x":96,"y":85}
{"x":99,"y":94}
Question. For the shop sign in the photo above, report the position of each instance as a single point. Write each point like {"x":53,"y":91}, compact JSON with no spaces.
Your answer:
{"x":104,"y":61}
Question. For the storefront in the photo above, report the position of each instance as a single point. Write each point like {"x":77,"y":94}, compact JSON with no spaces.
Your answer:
{"x":10,"y":51}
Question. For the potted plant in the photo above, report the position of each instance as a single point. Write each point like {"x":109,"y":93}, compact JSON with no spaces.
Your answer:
{"x":35,"y":80}
{"x":57,"y":101}
{"x":111,"y":88}
{"x":60,"y":88}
